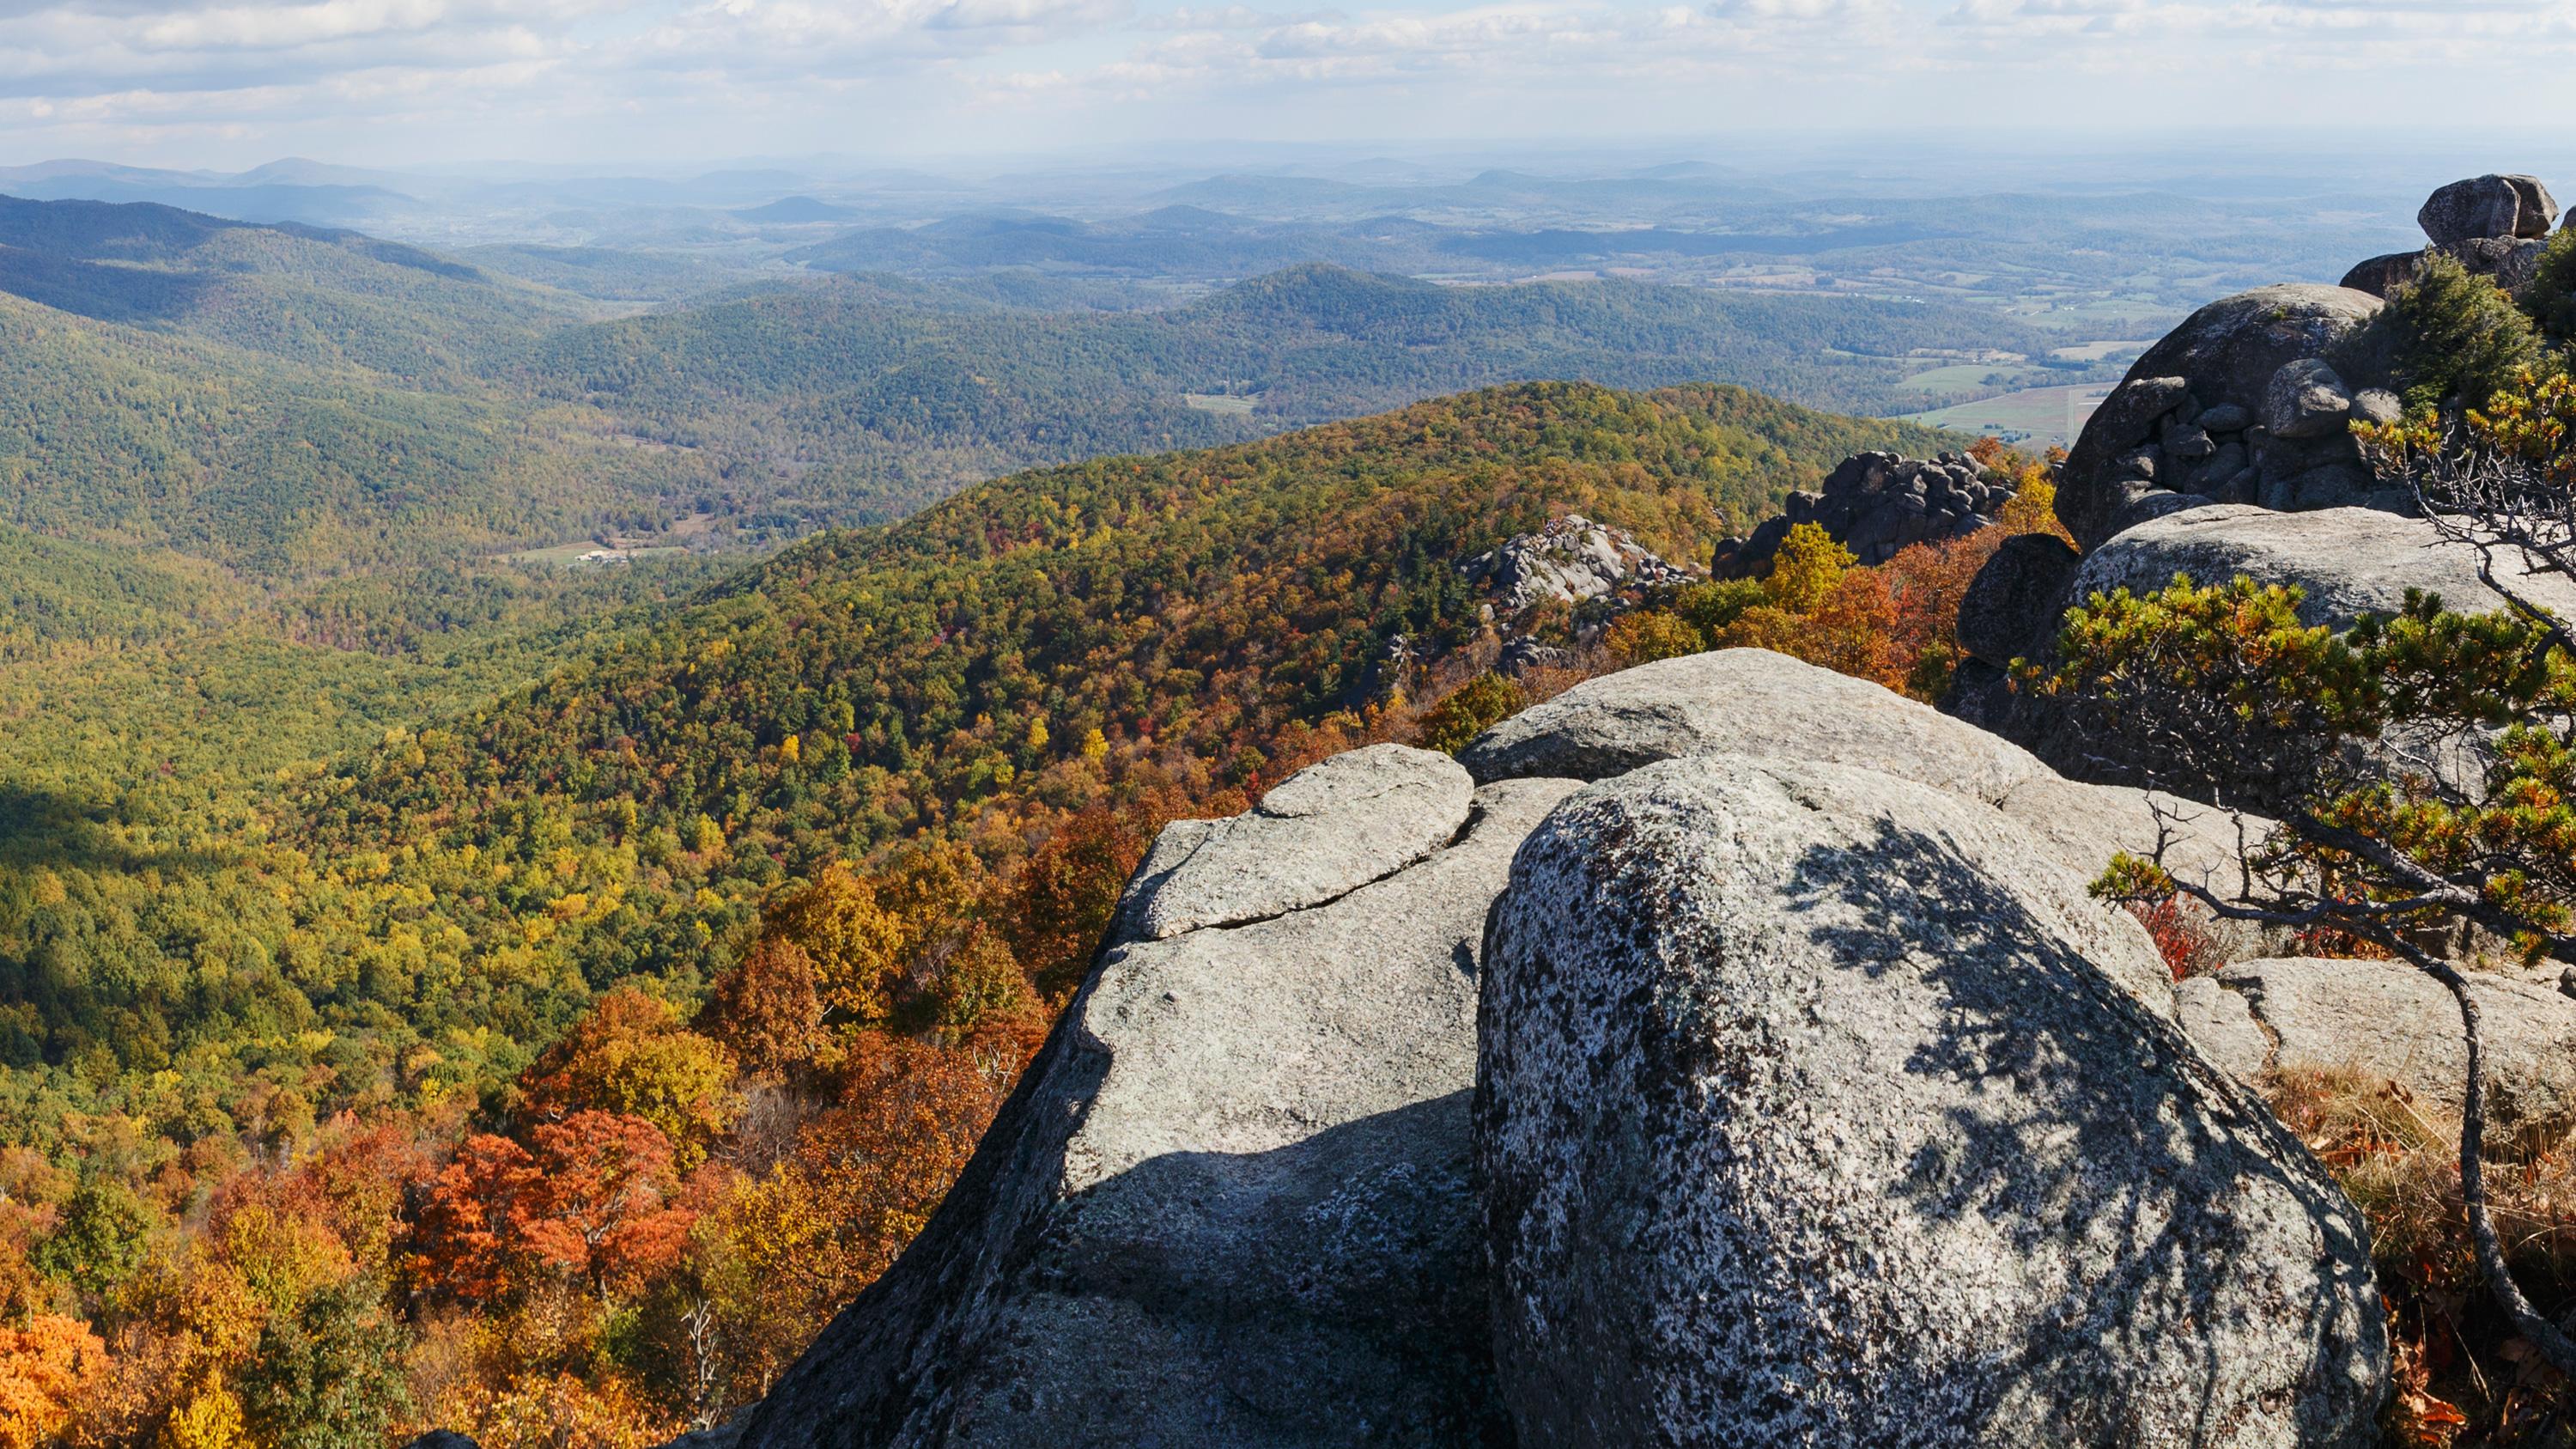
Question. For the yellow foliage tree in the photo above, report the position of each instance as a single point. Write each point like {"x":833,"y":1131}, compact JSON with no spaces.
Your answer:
{"x":210,"y":1419}
{"x":854,"y":941}
{"x":1806,"y":568}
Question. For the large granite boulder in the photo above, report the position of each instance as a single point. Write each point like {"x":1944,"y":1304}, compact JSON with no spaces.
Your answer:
{"x":2348,"y":561}
{"x":2488,"y":207}
{"x":1229,"y":1203}
{"x":1751,"y":702}
{"x":1814,"y":1107}
{"x":1876,"y":505}
{"x":1325,"y":831}
{"x":2190,"y":418}
{"x":2388,"y":1020}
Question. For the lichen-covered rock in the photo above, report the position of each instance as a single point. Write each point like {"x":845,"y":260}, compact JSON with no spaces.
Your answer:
{"x":1811,"y":1110}
{"x":2211,"y":376}
{"x":2389,"y":1020}
{"x":1228,"y":1205}
{"x":1323,"y":832}
{"x":1744,"y":701}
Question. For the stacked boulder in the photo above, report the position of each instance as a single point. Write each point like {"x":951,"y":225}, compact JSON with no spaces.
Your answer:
{"x":2497,"y":226}
{"x":2243,"y":403}
{"x":1782,"y":1083}
{"x":1876,"y":504}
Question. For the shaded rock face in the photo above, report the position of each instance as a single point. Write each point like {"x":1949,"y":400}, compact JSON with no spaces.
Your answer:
{"x":1877,"y":504}
{"x":1811,"y":1109}
{"x":2011,"y":608}
{"x":2389,"y":1020}
{"x":2196,"y":414}
{"x":1229,"y":1203}
{"x":1744,"y":701}
{"x":1571,"y":560}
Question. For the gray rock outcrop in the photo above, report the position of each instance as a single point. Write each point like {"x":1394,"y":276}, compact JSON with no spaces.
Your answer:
{"x":2511,"y":263}
{"x":1571,"y":560}
{"x":1876,"y":505}
{"x":1323,"y":832}
{"x":1750,"y":702}
{"x":2348,"y":561}
{"x":1813,"y":1108}
{"x":2388,"y":1020}
{"x":2485,"y":207}
{"x":1229,"y":1202}
{"x":2211,"y":382}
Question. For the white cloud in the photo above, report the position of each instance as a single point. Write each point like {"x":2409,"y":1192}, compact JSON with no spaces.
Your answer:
{"x":538,"y":75}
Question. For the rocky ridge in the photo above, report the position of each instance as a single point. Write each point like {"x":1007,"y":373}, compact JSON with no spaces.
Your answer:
{"x":1234,"y":1202}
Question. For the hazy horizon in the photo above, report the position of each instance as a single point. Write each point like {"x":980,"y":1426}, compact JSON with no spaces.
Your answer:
{"x":413,"y":83}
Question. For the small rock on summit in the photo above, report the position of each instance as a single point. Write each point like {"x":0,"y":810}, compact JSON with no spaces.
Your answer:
{"x":2488,"y":206}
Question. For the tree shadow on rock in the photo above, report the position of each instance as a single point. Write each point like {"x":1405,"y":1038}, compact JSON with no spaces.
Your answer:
{"x":2095,"y":1131}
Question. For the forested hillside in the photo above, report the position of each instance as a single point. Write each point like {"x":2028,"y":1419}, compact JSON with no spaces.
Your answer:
{"x":882,"y":407}
{"x":600,"y":934}
{"x":294,"y":404}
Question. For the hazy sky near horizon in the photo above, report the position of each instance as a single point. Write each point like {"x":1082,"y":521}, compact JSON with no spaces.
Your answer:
{"x":392,"y":82}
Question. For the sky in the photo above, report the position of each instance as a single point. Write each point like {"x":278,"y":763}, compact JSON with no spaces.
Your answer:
{"x":231,"y":83}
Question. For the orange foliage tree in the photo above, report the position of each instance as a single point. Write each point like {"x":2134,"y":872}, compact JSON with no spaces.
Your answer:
{"x":46,"y":1363}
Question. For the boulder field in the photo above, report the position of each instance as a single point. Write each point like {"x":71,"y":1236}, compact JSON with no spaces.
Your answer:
{"x":1724,"y":1052}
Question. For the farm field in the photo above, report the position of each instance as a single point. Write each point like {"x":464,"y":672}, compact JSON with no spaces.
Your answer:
{"x":2047,"y":416}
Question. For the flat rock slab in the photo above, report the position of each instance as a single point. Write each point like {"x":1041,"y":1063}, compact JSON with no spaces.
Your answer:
{"x":1749,"y":702}
{"x":1813,"y":1110}
{"x":2349,"y":561}
{"x":1325,"y":831}
{"x":2389,"y":1020}
{"x":1229,"y":1204}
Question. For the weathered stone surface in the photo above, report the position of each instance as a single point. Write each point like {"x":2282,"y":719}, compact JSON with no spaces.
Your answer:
{"x":2350,"y":561}
{"x":1811,"y":1109}
{"x":2390,"y":1020}
{"x":2083,"y":826}
{"x":2221,"y":1023}
{"x":2223,"y":358}
{"x":2377,"y":405}
{"x":1228,"y":1205}
{"x":1326,"y":830}
{"x":2305,"y":399}
{"x":1744,"y":701}
{"x":2009,"y":610}
{"x":2488,"y":206}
